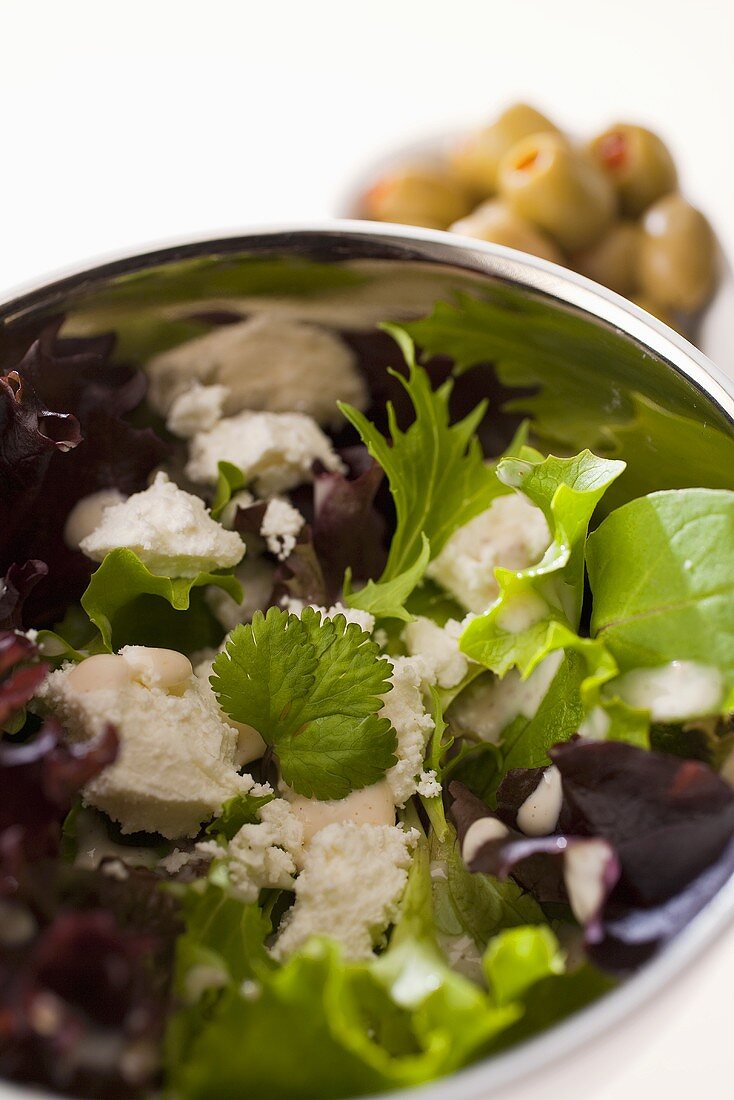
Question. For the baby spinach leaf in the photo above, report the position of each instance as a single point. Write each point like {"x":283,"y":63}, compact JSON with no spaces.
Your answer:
{"x":661,"y":570}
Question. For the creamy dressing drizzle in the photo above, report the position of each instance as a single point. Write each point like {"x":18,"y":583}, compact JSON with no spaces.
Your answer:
{"x":584,"y":868}
{"x":538,"y":815}
{"x":480,"y":833}
{"x":681,"y":689}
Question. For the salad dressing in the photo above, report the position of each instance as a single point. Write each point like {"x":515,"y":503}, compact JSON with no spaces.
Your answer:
{"x":479,"y":834}
{"x":680,"y":689}
{"x":538,"y":815}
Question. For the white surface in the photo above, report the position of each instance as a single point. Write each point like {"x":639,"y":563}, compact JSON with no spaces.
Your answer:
{"x":133,"y":121}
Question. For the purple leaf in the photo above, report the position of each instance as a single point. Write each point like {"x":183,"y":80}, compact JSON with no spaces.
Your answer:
{"x":15,"y":587}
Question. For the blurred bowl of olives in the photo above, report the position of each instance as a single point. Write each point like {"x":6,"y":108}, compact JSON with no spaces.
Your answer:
{"x":610,"y":208}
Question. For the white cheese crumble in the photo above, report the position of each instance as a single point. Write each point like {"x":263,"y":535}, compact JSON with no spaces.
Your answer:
{"x":281,"y":526}
{"x":86,"y":515}
{"x":350,"y":887}
{"x":488,"y":705}
{"x":428,"y":784}
{"x":363,"y":619}
{"x":445,"y":664}
{"x":403,"y":706}
{"x":175,"y":766}
{"x":511,"y":533}
{"x":196,"y":410}
{"x":275,"y":451}
{"x":263,"y":855}
{"x":170,"y":530}
{"x":267,"y":363}
{"x":257,"y":576}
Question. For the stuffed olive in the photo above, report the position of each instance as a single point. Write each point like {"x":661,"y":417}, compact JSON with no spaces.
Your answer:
{"x":417,"y":196}
{"x":475,"y":161}
{"x":638,"y":164}
{"x":543,"y":179}
{"x":678,"y":255}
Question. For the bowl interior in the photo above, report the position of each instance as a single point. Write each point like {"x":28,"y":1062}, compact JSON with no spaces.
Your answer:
{"x":584,"y":367}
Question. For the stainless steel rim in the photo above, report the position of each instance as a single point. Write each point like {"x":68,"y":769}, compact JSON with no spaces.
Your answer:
{"x":349,"y":240}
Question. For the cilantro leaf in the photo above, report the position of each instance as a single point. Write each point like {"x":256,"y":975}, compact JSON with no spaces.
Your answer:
{"x":567,"y":491}
{"x":123,"y":600}
{"x":312,"y":688}
{"x":437,"y":473}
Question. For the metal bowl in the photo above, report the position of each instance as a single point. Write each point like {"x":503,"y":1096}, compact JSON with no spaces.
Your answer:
{"x":589,"y":368}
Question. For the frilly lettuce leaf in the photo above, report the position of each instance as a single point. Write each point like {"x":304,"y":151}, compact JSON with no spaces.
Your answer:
{"x":127,"y":604}
{"x":437,"y":474}
{"x":567,"y":491}
{"x":661,"y":570}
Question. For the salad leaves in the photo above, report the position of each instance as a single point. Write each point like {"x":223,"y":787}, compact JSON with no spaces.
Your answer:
{"x":127,"y":604}
{"x":312,"y":688}
{"x":522,"y":625}
{"x":675,"y":601}
{"x":436,"y":471}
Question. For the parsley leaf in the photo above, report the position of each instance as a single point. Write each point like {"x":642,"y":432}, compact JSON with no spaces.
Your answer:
{"x":312,"y":688}
{"x":437,"y":473}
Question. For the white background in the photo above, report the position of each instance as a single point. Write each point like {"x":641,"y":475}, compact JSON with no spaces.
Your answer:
{"x":126,"y":122}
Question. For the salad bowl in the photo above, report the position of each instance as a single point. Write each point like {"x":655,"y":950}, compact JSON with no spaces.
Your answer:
{"x":586,"y":366}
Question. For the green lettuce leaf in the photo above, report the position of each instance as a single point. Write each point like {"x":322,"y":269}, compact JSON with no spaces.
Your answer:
{"x":312,"y":687}
{"x":242,"y":809}
{"x":386,"y":599}
{"x":230,"y":480}
{"x":661,"y":570}
{"x":130,"y":605}
{"x":437,"y":474}
{"x":518,"y":958}
{"x":567,"y":491}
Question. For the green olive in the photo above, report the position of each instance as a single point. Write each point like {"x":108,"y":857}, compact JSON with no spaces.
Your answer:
{"x":613,"y":260}
{"x":416,"y":196}
{"x":638,"y":164}
{"x":557,"y":188}
{"x":475,"y":161}
{"x":494,"y":221}
{"x":678,"y":255}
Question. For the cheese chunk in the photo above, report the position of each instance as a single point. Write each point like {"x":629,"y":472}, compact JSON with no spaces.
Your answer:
{"x":257,"y":577}
{"x":404,"y":708}
{"x":511,"y":533}
{"x":274,"y":451}
{"x":175,"y":766}
{"x":266,"y":363}
{"x":446,"y":666}
{"x":196,"y":410}
{"x":170,"y":531}
{"x":263,"y":855}
{"x":281,"y":525}
{"x":349,"y":889}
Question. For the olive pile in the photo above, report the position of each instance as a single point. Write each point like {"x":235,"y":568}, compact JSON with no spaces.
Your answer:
{"x":610,"y":209}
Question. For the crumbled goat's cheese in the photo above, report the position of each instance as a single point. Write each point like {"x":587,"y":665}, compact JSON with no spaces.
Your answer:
{"x":275,"y":451}
{"x":487,"y":706}
{"x":267,"y":363}
{"x":438,"y":646}
{"x":196,"y":410}
{"x":428,"y":784}
{"x":349,"y":889}
{"x":363,"y":619}
{"x":257,"y":577}
{"x":404,"y":708}
{"x":176,"y":761}
{"x":170,"y":531}
{"x":263,"y":855}
{"x":511,"y":533}
{"x":280,"y":527}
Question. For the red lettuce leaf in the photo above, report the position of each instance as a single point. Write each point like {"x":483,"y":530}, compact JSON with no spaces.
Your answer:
{"x":48,"y":478}
{"x":17,"y":584}
{"x":38,"y":781}
{"x":669,"y":823}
